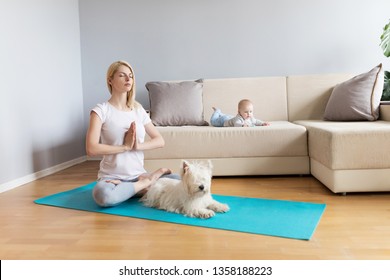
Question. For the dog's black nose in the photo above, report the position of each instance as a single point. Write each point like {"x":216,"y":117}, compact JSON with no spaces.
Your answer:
{"x":201,"y":187}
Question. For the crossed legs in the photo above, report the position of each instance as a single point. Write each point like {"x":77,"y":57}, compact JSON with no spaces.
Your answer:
{"x":108,"y":193}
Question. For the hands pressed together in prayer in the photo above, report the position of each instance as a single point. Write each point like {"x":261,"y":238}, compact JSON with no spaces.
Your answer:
{"x":130,"y":140}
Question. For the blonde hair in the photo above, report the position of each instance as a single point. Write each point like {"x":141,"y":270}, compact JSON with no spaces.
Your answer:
{"x":130,"y":101}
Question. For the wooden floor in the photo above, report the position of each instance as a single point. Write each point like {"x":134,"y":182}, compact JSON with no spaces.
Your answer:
{"x":353,"y":227}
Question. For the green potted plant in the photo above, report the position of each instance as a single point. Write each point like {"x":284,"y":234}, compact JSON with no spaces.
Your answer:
{"x":385,"y":44}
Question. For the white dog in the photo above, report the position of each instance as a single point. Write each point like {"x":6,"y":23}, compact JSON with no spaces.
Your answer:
{"x":190,"y":196}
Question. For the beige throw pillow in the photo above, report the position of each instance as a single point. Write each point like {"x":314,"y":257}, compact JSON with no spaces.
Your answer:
{"x":176,"y":103}
{"x":357,"y":99}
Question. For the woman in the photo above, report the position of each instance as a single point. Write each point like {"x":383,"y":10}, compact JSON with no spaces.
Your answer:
{"x":117,"y":130}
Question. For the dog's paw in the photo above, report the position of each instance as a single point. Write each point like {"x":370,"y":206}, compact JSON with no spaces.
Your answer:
{"x":223,"y":208}
{"x":219,"y":207}
{"x":203,"y":213}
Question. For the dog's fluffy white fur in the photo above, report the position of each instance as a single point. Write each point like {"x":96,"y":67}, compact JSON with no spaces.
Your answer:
{"x":190,"y":196}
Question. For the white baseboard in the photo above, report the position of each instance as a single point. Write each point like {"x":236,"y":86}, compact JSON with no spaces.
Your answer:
{"x":32,"y":177}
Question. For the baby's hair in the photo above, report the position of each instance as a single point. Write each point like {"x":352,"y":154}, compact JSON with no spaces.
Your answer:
{"x":243,"y":102}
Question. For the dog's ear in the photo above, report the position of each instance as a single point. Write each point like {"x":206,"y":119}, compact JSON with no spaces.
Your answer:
{"x":207,"y":164}
{"x":186,"y":166}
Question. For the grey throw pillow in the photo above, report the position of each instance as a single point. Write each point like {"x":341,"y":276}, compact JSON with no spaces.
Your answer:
{"x":357,"y":99}
{"x":176,"y":103}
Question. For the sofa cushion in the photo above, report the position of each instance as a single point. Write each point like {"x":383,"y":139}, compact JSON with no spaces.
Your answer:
{"x":281,"y":138}
{"x":349,"y":145}
{"x":176,"y":103}
{"x":357,"y":99}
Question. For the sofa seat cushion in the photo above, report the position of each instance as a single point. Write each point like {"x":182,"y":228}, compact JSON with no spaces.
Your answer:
{"x":281,"y":138}
{"x":349,"y":145}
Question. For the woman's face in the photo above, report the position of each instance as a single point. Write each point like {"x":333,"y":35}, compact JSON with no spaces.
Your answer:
{"x":122,"y":81}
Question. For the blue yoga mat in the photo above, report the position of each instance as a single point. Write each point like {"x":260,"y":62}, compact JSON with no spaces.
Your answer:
{"x":280,"y":218}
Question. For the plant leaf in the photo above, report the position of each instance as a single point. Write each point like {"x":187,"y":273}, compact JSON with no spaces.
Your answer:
{"x":385,"y":40}
{"x":386,"y":87}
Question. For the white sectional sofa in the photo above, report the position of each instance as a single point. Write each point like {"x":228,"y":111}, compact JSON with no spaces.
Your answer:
{"x":344,"y":156}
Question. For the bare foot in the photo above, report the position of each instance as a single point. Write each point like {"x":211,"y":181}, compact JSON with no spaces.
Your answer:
{"x":143,"y":176}
{"x":145,"y":181}
{"x":130,"y":136}
{"x":158,"y":173}
{"x":152,"y":178}
{"x":115,"y":182}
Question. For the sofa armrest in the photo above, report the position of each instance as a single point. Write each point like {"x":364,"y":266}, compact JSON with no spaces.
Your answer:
{"x":384,"y":112}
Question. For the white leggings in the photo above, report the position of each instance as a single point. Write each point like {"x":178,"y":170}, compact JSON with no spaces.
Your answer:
{"x":108,"y":194}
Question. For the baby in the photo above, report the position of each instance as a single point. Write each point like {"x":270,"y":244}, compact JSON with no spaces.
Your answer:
{"x":244,"y":118}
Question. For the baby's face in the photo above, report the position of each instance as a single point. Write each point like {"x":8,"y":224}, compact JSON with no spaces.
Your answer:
{"x":246,"y":111}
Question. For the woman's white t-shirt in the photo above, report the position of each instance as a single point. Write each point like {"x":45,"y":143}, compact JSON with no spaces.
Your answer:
{"x":115,"y":123}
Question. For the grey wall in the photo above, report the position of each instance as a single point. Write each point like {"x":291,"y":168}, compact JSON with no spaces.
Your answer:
{"x":41,"y":109}
{"x":176,"y":39}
